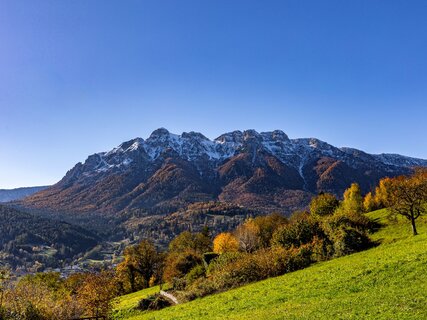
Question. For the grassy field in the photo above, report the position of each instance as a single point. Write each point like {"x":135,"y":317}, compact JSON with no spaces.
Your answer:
{"x":387,"y":282}
{"x":124,"y":305}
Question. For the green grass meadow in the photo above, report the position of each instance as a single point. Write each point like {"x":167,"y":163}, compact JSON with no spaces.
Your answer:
{"x":386,"y":282}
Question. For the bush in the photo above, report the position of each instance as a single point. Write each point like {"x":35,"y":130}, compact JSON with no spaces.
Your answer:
{"x":33,"y":313}
{"x":349,"y":240}
{"x":208,"y":257}
{"x":153,"y":302}
{"x":324,"y":204}
{"x":223,"y":260}
{"x":179,"y":283}
{"x":300,"y":231}
{"x":233,"y":270}
{"x":348,"y":233}
{"x":195,"y":273}
{"x":178,"y":264}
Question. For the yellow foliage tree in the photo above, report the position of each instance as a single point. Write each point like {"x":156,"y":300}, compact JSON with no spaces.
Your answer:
{"x":96,"y":294}
{"x":369,"y":203}
{"x":353,"y":200}
{"x":382,"y":192}
{"x":225,"y":242}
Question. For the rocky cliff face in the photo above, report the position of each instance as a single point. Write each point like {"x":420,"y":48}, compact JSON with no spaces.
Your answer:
{"x":166,"y":172}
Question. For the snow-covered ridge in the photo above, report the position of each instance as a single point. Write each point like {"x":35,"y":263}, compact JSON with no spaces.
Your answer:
{"x":193,"y":146}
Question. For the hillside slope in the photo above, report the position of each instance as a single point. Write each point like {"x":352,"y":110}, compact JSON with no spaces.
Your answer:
{"x":27,"y":240}
{"x":387,"y":282}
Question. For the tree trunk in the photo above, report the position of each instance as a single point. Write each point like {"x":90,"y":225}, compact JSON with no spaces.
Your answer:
{"x":132,"y":281}
{"x":414,"y":228}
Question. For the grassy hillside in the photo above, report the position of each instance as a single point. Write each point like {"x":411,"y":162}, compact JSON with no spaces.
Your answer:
{"x":124,"y":305}
{"x":387,"y":282}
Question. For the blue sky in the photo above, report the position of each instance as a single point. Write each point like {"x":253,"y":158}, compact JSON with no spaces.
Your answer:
{"x":79,"y":77}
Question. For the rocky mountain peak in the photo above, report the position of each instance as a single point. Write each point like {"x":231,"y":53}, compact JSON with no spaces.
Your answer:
{"x":251,"y":134}
{"x":276,"y":135}
{"x":235,"y":137}
{"x":193,"y":135}
{"x":161,"y":133}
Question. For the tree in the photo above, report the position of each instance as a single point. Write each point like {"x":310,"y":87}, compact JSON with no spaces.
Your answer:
{"x":178,"y":264}
{"x":247,"y":235}
{"x":52,"y":280}
{"x":225,"y":242}
{"x":267,"y":225}
{"x":96,"y":294}
{"x":324,"y":204}
{"x":353,"y":201}
{"x":301,"y":230}
{"x":408,"y":196}
{"x":382,"y":192}
{"x":140,"y":263}
{"x":369,"y":203}
{"x":199,"y":242}
{"x":40,"y":297}
{"x":4,"y":281}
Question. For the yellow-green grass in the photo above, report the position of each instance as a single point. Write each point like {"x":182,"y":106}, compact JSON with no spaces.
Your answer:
{"x":124,"y":306}
{"x":386,"y":282}
{"x":395,"y":228}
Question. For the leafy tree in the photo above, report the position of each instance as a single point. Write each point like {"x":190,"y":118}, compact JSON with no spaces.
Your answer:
{"x":267,"y":225}
{"x":225,"y":242}
{"x":301,"y":230}
{"x":323,"y":204}
{"x":408,"y":196}
{"x":74,"y":281}
{"x":247,"y":234}
{"x":369,"y":203}
{"x":4,"y":281}
{"x":382,"y":192}
{"x":52,"y":280}
{"x":140,"y":263}
{"x":178,"y":264}
{"x":353,"y":200}
{"x":347,"y":233}
{"x":199,"y":242}
{"x":96,"y":294}
{"x":31,"y":298}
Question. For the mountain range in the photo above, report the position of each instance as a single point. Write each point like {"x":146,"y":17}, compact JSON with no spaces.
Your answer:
{"x":264,"y":171}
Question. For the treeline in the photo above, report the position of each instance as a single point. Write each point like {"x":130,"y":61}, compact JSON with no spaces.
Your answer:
{"x":218,"y":216}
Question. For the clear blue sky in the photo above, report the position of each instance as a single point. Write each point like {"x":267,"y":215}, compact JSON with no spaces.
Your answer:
{"x":79,"y":77}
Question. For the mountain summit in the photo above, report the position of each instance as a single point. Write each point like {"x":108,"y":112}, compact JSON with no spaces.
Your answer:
{"x":260,"y":170}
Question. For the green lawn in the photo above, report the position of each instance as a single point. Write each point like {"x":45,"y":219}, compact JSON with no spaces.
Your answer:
{"x":386,"y":282}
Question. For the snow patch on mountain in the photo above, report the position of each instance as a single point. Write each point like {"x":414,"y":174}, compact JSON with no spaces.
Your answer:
{"x":193,"y":146}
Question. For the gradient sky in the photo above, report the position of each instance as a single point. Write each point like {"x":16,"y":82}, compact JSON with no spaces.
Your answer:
{"x":79,"y":77}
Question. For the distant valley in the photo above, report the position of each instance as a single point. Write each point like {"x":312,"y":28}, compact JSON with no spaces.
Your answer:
{"x":7,"y":195}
